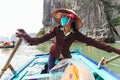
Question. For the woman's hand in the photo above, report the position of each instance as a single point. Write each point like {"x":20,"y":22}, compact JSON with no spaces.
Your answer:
{"x":24,"y":35}
{"x":21,"y":33}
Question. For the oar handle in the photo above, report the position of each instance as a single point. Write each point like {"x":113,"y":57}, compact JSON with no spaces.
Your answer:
{"x":105,"y":61}
{"x":112,"y":58}
{"x":11,"y":56}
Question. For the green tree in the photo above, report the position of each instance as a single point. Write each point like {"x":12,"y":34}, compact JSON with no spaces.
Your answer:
{"x":116,"y":21}
{"x":41,"y":32}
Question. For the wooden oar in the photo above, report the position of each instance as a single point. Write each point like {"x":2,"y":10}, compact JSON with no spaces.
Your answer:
{"x":105,"y":61}
{"x":8,"y":65}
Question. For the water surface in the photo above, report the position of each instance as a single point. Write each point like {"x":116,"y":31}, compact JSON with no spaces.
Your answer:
{"x":92,"y":52}
{"x":26,"y":53}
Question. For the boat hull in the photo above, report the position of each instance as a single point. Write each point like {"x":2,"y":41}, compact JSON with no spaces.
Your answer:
{"x":36,"y":68}
{"x":7,"y":46}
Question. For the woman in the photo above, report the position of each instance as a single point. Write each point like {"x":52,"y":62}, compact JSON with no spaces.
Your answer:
{"x":66,"y":32}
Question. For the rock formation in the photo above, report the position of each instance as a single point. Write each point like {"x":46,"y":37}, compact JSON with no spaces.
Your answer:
{"x":96,"y":15}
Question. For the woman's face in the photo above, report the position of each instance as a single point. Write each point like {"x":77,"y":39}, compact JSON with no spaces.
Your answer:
{"x":63,"y":17}
{"x":60,"y":15}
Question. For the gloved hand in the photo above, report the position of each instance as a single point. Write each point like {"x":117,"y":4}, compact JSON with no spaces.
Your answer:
{"x":21,"y":33}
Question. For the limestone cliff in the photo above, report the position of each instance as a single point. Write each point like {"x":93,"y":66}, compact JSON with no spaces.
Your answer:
{"x":97,"y":16}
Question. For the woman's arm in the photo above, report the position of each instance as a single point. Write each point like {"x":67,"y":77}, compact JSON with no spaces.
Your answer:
{"x":46,"y":37}
{"x":36,"y":40}
{"x":97,"y":44}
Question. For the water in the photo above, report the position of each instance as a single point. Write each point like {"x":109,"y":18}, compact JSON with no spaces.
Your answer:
{"x":97,"y":54}
{"x":25,"y":53}
{"x":22,"y":56}
{"x":92,"y":52}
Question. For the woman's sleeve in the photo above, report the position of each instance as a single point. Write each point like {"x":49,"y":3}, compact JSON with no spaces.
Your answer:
{"x":95,"y":43}
{"x":46,"y":37}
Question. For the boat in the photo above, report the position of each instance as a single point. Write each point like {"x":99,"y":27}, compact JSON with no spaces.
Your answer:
{"x":7,"y":45}
{"x":36,"y":69}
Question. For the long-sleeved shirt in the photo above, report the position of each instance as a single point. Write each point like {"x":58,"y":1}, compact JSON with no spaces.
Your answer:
{"x":63,"y":43}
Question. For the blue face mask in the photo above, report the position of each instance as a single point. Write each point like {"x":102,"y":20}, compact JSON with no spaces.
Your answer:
{"x":64,"y":21}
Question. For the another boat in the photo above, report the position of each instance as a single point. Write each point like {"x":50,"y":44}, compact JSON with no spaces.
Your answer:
{"x":7,"y":44}
{"x":36,"y":69}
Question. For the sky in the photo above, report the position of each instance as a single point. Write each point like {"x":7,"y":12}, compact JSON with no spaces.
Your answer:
{"x":16,"y":14}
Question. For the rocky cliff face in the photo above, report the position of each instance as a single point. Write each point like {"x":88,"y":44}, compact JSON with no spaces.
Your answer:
{"x":96,"y":16}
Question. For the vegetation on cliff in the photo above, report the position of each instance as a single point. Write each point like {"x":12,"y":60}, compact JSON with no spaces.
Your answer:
{"x":41,"y":32}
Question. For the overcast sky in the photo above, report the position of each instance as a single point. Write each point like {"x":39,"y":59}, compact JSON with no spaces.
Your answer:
{"x":26,"y":14}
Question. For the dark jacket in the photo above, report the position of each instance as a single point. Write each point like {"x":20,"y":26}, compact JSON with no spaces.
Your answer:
{"x":63,"y":43}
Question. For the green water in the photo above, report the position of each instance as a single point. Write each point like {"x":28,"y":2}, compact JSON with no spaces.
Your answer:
{"x":92,"y":52}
